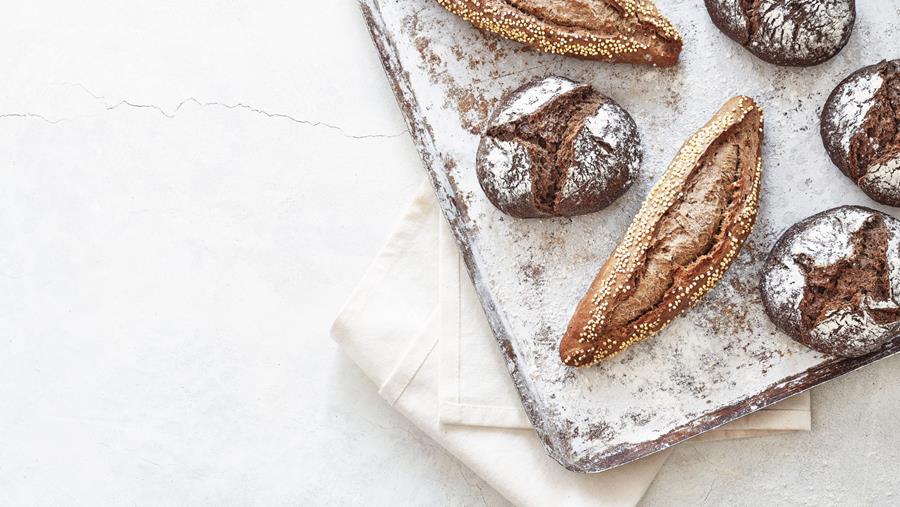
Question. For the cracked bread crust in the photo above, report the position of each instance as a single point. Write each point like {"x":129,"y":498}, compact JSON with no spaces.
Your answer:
{"x":687,"y":233}
{"x":786,"y":32}
{"x":557,"y":148}
{"x":832,"y":281}
{"x":860,"y":129}
{"x":625,"y":31}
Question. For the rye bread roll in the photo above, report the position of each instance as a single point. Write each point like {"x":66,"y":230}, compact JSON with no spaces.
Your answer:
{"x":832,"y":281}
{"x":688,"y":231}
{"x":786,"y":32}
{"x":555,"y":147}
{"x":627,"y":31}
{"x":860,"y":128}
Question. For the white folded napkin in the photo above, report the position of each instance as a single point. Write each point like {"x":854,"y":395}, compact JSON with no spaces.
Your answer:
{"x":415,"y":327}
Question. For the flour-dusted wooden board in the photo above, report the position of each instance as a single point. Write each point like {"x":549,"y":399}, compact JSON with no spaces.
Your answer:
{"x":723,"y":359}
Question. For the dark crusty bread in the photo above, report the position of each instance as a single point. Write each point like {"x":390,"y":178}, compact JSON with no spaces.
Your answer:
{"x":861,"y":130}
{"x":832,"y":281}
{"x":686,"y":234}
{"x":629,"y":31}
{"x":555,"y":147}
{"x":786,"y":32}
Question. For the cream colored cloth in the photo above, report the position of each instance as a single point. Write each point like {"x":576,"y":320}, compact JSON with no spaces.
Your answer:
{"x":415,"y":327}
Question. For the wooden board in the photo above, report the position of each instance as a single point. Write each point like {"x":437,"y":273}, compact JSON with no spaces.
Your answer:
{"x":722,"y":360}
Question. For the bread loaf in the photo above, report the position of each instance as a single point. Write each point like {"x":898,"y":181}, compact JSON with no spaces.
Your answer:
{"x":629,"y":31}
{"x":861,"y":130}
{"x":555,"y":147}
{"x":832,"y":281}
{"x":786,"y":32}
{"x":686,"y":234}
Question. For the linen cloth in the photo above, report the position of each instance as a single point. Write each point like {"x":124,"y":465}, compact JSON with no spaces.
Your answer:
{"x":415,"y":327}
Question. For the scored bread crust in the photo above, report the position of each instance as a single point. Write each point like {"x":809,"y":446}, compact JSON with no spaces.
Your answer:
{"x":589,"y":338}
{"x":637,"y":33}
{"x":554,"y":147}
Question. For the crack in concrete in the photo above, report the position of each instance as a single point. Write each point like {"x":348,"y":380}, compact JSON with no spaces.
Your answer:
{"x":192,"y":100}
{"x":240,"y":105}
{"x":78,"y":85}
{"x":33,"y":115}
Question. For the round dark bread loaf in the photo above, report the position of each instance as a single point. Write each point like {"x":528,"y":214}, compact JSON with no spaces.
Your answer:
{"x":557,"y":148}
{"x":832,"y":281}
{"x":860,"y":128}
{"x":786,"y":32}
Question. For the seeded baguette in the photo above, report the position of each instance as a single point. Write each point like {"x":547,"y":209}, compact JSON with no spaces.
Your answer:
{"x":686,"y":234}
{"x":627,"y":31}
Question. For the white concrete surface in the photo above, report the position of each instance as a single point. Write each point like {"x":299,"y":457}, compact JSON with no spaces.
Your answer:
{"x":188,"y":192}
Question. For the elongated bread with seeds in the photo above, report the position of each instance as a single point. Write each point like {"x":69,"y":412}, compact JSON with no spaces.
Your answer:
{"x":628,"y":31}
{"x":686,"y":234}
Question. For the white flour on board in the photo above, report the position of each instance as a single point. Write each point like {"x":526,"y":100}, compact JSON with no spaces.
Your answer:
{"x":532,"y":273}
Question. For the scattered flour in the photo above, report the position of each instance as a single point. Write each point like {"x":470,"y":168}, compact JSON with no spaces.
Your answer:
{"x":734,"y":16}
{"x":883,"y":179}
{"x":853,"y":99}
{"x":501,"y":159}
{"x":608,"y":140}
{"x":534,"y":97}
{"x":865,"y":335}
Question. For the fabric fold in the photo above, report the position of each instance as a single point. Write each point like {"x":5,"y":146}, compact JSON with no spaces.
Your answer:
{"x":415,"y":326}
